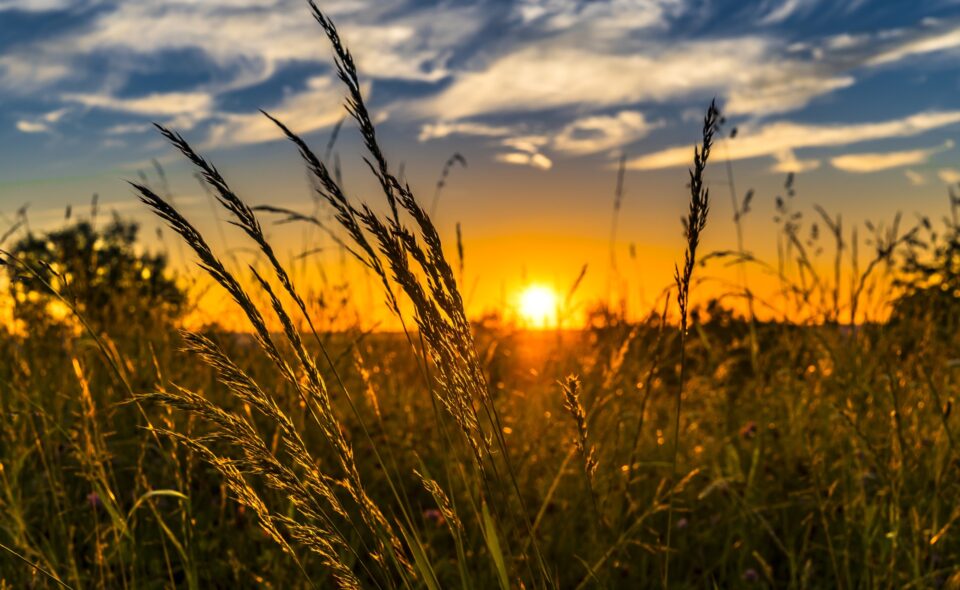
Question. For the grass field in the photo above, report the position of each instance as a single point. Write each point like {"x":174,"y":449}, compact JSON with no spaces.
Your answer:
{"x":805,"y":440}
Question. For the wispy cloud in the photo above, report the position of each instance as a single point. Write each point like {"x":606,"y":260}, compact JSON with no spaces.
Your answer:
{"x":610,"y":16}
{"x":444,"y":129}
{"x":253,"y":38}
{"x":544,"y":76}
{"x":237,"y":44}
{"x":34,"y":5}
{"x":525,"y":159}
{"x":582,"y":136}
{"x":318,"y":106}
{"x":127,"y":128}
{"x":926,"y":42}
{"x":159,"y":104}
{"x":588,"y":76}
{"x":777,"y":138}
{"x":24,"y":72}
{"x":527,"y":143}
{"x":787,"y":161}
{"x":526,"y":151}
{"x":949,"y":175}
{"x":915,"y":178}
{"x":783,"y":11}
{"x":757,"y":74}
{"x":782,"y":90}
{"x":876,"y":161}
{"x":43,"y":123}
{"x":599,"y":133}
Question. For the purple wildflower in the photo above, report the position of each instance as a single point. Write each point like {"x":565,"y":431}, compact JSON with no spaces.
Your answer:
{"x":93,"y":499}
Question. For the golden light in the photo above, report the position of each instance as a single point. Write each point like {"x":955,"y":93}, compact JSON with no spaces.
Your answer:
{"x":538,"y":306}
{"x":58,"y":310}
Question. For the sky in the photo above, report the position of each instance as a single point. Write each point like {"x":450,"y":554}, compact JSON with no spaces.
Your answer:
{"x":858,"y":98}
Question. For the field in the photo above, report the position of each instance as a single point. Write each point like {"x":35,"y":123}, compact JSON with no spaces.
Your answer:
{"x":804,"y":440}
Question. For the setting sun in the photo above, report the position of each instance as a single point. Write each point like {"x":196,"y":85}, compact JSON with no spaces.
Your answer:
{"x":538,"y":306}
{"x":379,"y":330}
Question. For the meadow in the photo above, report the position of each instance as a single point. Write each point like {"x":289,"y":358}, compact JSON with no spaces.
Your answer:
{"x":800,"y":440}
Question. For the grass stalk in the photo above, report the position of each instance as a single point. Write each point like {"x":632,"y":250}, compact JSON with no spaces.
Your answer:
{"x":694,"y":224}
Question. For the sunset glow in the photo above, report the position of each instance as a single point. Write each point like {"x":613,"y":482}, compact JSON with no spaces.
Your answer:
{"x":436,"y":93}
{"x":345,"y":290}
{"x":538,"y":306}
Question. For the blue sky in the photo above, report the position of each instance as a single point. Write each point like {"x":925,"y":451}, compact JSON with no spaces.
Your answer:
{"x":536,"y":80}
{"x":858,"y":97}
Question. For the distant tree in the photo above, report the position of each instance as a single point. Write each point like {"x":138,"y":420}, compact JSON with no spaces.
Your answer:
{"x":100,"y":271}
{"x":930,"y":276}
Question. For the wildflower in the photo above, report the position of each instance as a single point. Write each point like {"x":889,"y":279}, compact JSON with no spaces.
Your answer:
{"x":682,"y":523}
{"x":93,"y":499}
{"x":434,"y":515}
{"x":751,"y":575}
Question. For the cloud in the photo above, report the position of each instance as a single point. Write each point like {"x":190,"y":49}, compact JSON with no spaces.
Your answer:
{"x":780,"y":91}
{"x":582,"y":136}
{"x":927,"y":42}
{"x":775,"y":138}
{"x":874,"y":162}
{"x":32,"y":127}
{"x":949,"y":175}
{"x":611,"y":15}
{"x":164,"y":104}
{"x":915,"y":178}
{"x":787,"y":161}
{"x":42,"y":124}
{"x":444,"y":129}
{"x":34,"y":5}
{"x":598,"y":133}
{"x":524,"y":159}
{"x":236,"y":44}
{"x":547,"y":76}
{"x":749,"y":71}
{"x":127,"y":128}
{"x":318,"y":106}
{"x":782,"y":12}
{"x":597,"y":64}
{"x":758,"y":74}
{"x":244,"y":37}
{"x":526,"y":151}
{"x":527,"y":143}
{"x":24,"y":72}
{"x":844,"y":41}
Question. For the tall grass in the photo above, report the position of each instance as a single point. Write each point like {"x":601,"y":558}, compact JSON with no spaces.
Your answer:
{"x":693,"y":227}
{"x":693,"y":449}
{"x":409,"y":259}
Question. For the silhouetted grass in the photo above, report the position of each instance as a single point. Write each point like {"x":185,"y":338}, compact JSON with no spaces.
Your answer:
{"x":696,"y":447}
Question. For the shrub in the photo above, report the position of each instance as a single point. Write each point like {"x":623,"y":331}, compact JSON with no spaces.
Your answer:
{"x":99,"y":271}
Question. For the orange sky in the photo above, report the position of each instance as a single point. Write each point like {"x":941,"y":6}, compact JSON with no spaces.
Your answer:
{"x":542,"y":98}
{"x":537,"y":228}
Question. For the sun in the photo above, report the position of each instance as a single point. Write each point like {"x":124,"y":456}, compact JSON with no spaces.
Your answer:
{"x":538,"y":306}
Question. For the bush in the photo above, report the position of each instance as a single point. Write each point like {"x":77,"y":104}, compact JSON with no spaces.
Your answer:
{"x":100,"y":273}
{"x":930,"y":278}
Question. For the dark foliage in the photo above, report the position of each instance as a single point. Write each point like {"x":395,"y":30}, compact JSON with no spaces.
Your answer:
{"x":99,"y":271}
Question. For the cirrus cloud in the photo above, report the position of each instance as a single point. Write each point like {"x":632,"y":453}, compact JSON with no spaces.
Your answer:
{"x":162,"y":104}
{"x":319,"y":106}
{"x":599,"y":133}
{"x":542,"y":77}
{"x":876,"y":161}
{"x":775,"y":138}
{"x":949,"y":175}
{"x":585,"y":75}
